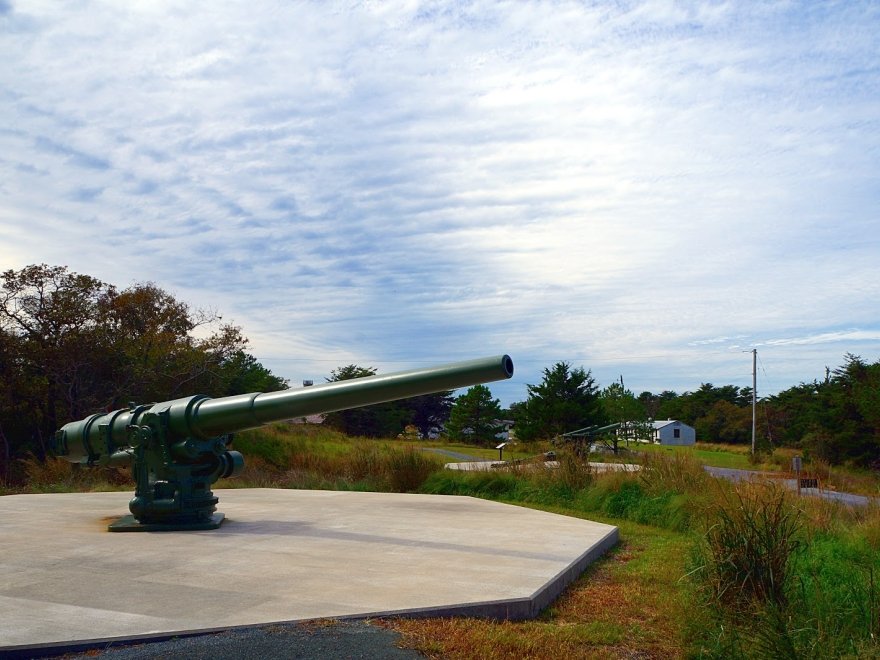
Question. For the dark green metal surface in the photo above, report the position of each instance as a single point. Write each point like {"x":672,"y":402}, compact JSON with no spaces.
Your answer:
{"x":178,"y":448}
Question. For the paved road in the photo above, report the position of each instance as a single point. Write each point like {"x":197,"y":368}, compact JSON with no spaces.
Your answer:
{"x":730,"y":474}
{"x":343,"y":640}
{"x":453,"y":454}
{"x":747,"y":475}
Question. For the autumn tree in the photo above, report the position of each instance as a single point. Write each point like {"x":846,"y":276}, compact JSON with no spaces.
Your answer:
{"x":71,"y":345}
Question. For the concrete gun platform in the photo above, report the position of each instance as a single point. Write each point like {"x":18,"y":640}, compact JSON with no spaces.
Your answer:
{"x":280,"y":556}
{"x":486,"y":466}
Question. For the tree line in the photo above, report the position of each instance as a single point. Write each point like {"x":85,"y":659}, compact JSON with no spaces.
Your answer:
{"x":72,"y":345}
{"x":836,"y":419}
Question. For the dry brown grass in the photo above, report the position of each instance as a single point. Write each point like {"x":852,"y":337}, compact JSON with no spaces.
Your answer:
{"x":628,"y":605}
{"x":845,"y":479}
{"x":60,"y":475}
{"x":680,"y":473}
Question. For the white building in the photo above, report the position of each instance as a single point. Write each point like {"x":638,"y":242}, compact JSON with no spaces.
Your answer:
{"x":673,"y":432}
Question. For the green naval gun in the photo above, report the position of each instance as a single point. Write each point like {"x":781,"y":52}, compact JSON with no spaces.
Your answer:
{"x":178,"y":449}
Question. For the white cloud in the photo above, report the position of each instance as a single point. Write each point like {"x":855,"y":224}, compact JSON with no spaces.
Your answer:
{"x":410,"y":181}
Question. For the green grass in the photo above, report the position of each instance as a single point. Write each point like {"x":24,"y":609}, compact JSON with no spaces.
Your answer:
{"x":514,"y":452}
{"x":759,"y":572}
{"x":657,"y":594}
{"x":715,"y":456}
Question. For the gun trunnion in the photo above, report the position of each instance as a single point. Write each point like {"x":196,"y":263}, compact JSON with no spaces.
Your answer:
{"x":178,"y":448}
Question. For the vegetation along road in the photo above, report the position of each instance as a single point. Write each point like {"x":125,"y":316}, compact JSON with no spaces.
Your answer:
{"x":735,"y":475}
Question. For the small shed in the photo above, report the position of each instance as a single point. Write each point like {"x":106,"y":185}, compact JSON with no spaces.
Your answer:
{"x":673,"y":432}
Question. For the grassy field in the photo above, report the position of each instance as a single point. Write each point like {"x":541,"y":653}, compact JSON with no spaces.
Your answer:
{"x":511,"y":452}
{"x":731,"y":456}
{"x":704,"y":569}
{"x":840,"y":478}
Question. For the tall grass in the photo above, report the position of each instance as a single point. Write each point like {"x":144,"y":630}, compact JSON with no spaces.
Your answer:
{"x":751,"y":534}
{"x":300,"y":456}
{"x":56,"y":475}
{"x":679,"y":472}
{"x":787,"y":577}
{"x":781,"y":576}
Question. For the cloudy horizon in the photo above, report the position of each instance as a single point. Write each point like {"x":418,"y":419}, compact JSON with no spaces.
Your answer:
{"x":647,"y":189}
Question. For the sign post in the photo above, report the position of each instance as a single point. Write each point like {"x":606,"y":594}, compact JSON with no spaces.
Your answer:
{"x":796,"y":467}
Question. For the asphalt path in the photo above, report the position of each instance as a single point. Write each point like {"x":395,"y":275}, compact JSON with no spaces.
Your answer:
{"x":464,"y":458}
{"x":340,"y":640}
{"x":732,"y":474}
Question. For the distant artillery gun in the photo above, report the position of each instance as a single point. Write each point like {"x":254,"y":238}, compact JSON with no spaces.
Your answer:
{"x":609,"y":435}
{"x":582,"y":440}
{"x":178,"y":449}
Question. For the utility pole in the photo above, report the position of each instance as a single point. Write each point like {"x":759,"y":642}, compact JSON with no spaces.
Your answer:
{"x":754,"y":393}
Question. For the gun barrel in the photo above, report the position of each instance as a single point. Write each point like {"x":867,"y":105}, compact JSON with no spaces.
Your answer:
{"x":97,"y":438}
{"x":237,"y":413}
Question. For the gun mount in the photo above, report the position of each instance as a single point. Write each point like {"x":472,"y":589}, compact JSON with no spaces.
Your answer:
{"x":178,"y":449}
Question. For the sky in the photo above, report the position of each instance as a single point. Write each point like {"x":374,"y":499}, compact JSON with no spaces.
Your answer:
{"x":645,"y":189}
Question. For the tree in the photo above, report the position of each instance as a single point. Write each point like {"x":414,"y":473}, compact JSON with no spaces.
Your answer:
{"x":851,"y":426}
{"x":430,"y":412}
{"x":836,"y":419}
{"x":691,"y":406}
{"x":149,"y":334}
{"x":54,"y":345}
{"x":71,"y":345}
{"x":621,"y":407}
{"x":474,"y":417}
{"x":383,"y":420}
{"x":567,"y":399}
{"x":725,"y":422}
{"x":653,"y":403}
{"x":241,"y":373}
